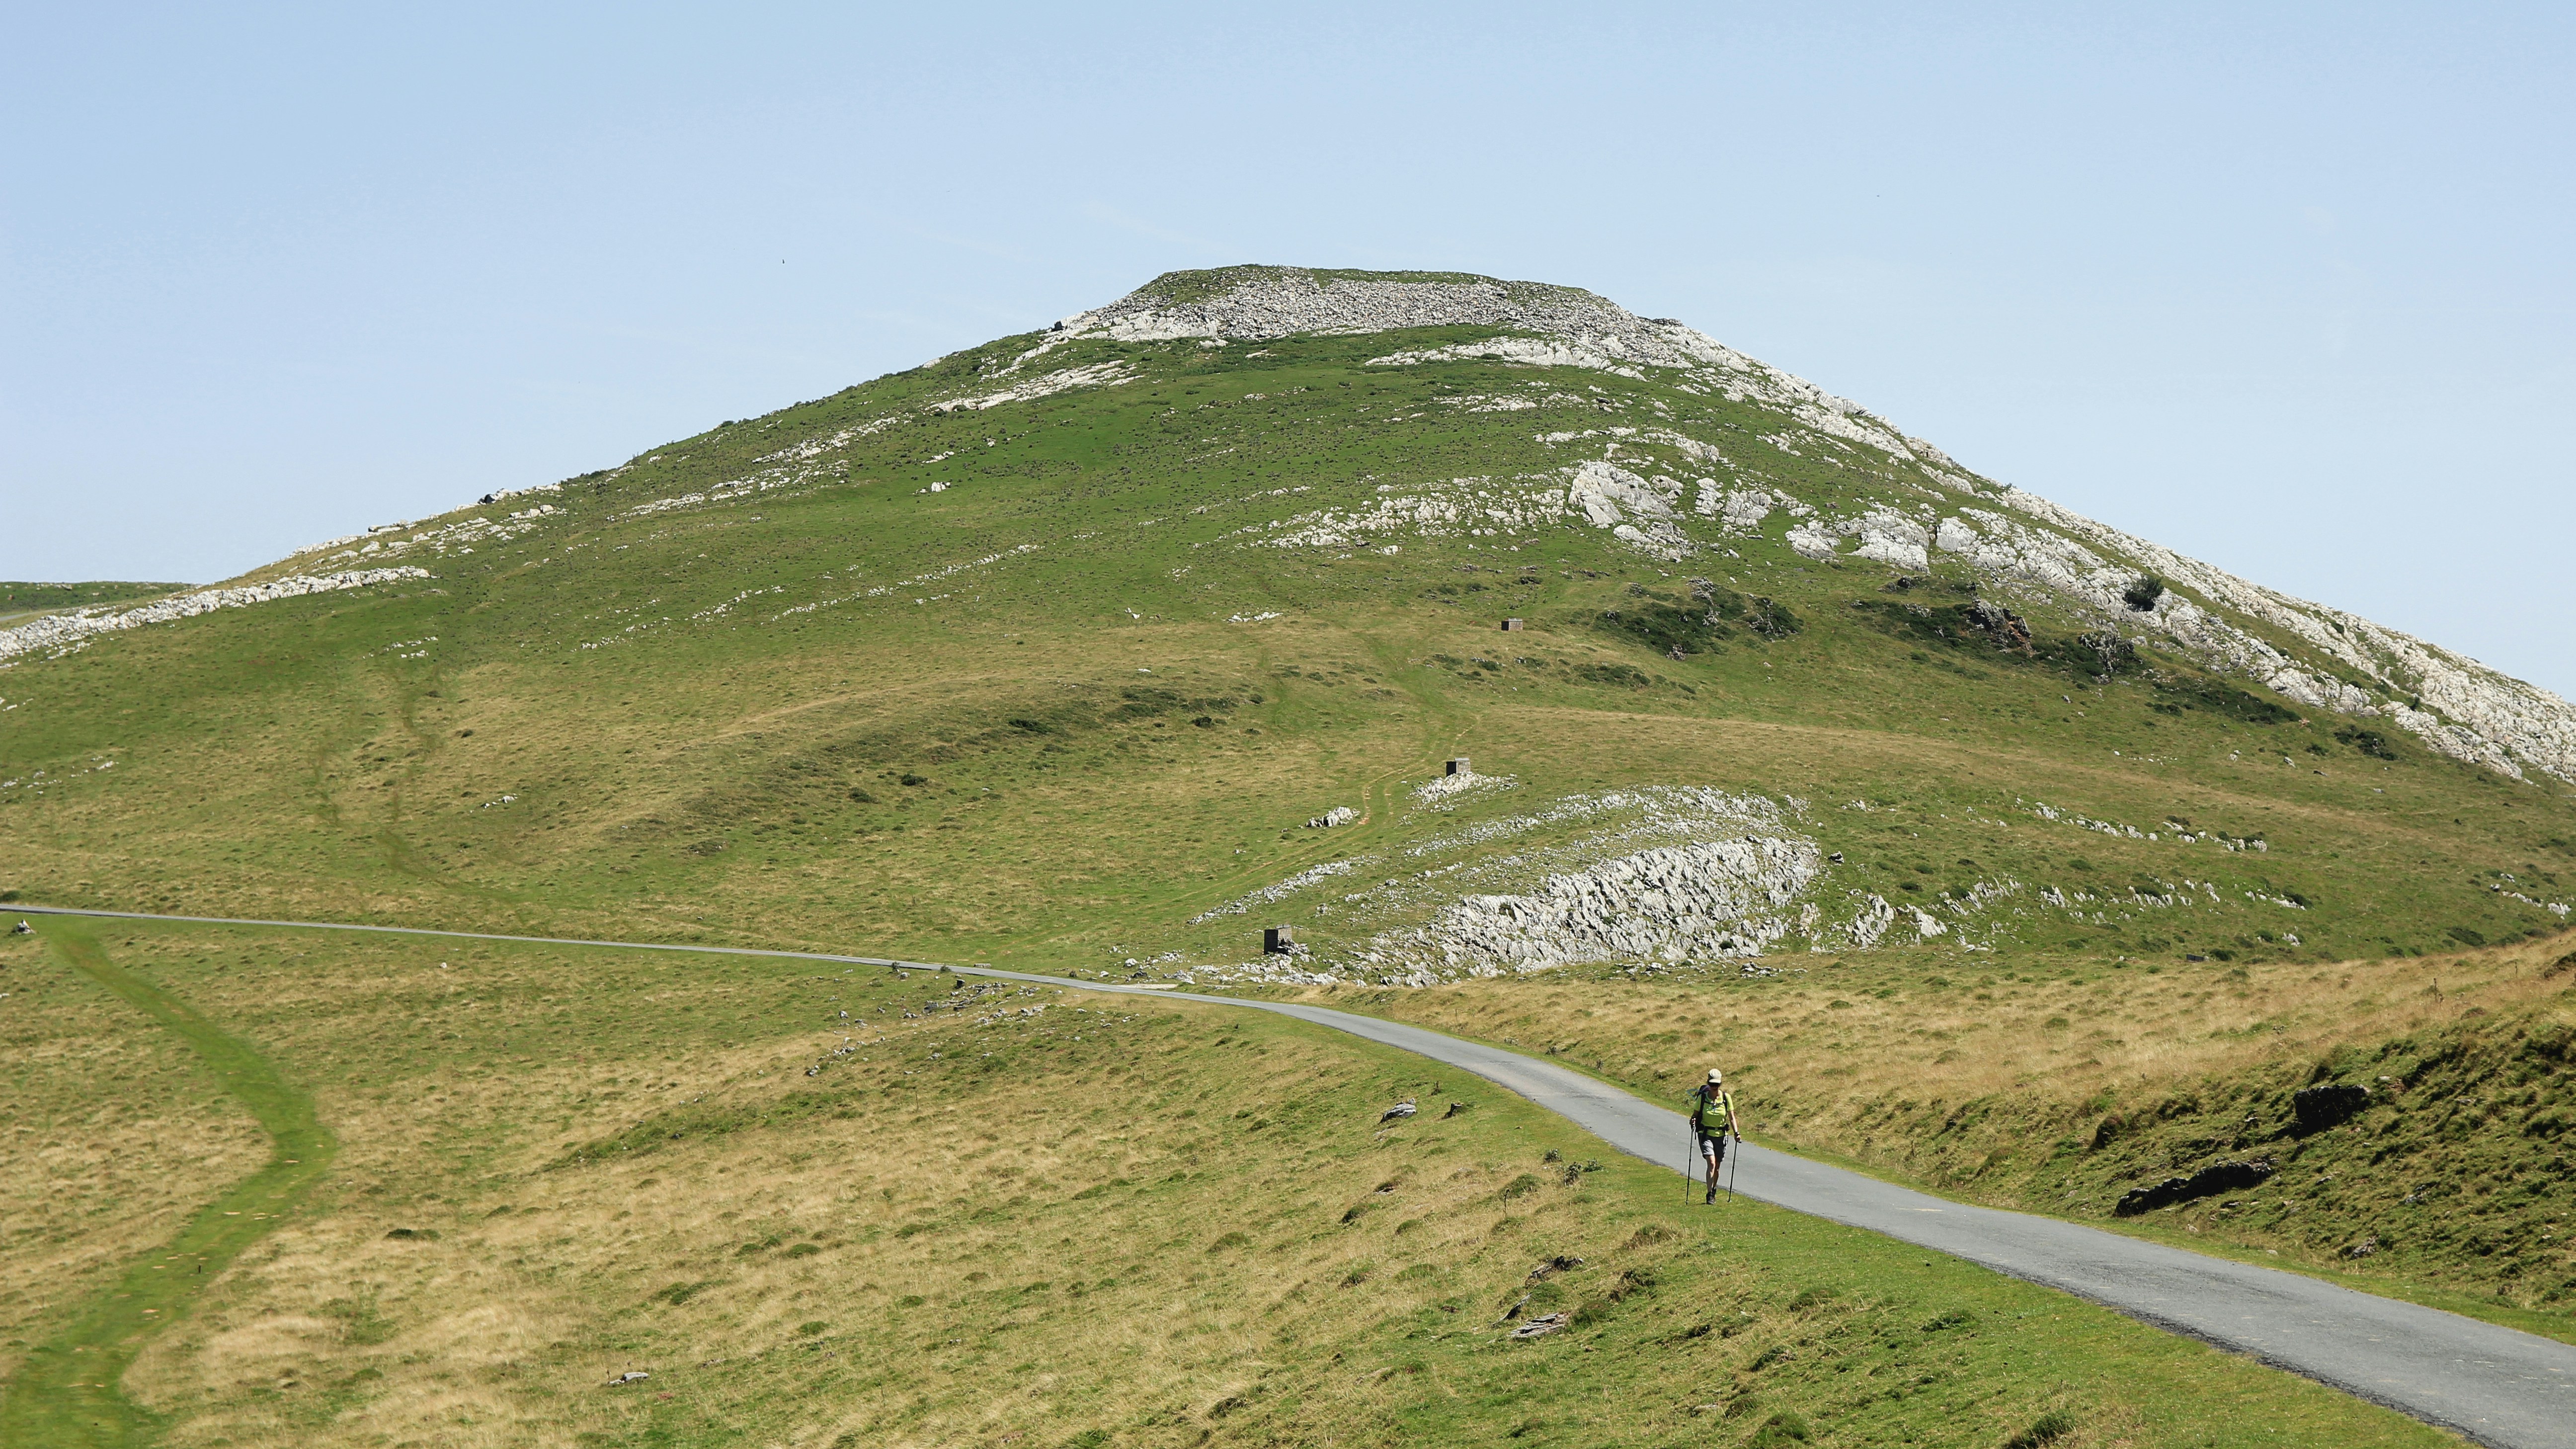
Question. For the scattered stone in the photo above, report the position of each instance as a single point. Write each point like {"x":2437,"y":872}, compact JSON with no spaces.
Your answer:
{"x":1338,"y":815}
{"x":60,"y":633}
{"x":1561,"y":1263}
{"x":2362,"y":1249}
{"x":629,"y":1377}
{"x":1541,"y":1327}
{"x":1400,"y":1109}
{"x":1454,"y":1109}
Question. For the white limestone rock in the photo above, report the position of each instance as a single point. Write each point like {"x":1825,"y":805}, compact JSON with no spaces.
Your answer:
{"x":59,"y":632}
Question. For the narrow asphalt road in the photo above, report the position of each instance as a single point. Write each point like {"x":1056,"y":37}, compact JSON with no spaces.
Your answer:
{"x":2493,"y":1385}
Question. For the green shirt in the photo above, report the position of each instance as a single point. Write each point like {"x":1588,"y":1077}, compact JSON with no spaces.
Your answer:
{"x":1712,"y":1112}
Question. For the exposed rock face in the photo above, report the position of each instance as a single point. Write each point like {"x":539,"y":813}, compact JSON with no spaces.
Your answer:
{"x":2216,"y":1178}
{"x":2320,"y":657}
{"x":2332,"y":1105}
{"x":1674,"y":903}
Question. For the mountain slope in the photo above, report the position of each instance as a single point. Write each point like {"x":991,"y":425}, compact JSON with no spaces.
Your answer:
{"x":1135,"y":597}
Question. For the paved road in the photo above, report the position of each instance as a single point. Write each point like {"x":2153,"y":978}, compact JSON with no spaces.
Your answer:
{"x":2493,"y":1385}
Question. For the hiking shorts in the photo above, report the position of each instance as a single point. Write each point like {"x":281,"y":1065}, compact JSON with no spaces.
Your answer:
{"x":1713,"y":1147}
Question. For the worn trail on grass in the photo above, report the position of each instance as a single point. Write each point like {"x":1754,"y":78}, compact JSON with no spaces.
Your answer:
{"x":2491,"y":1384}
{"x":65,"y":1392}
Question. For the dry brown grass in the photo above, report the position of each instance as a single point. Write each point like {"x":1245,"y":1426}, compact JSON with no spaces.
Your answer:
{"x":1816,"y":1047}
{"x":114,"y":1135}
{"x":501,"y":1330}
{"x":1163,"y":1220}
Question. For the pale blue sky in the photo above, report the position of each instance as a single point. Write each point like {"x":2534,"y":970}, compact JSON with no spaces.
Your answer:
{"x":2291,"y":293}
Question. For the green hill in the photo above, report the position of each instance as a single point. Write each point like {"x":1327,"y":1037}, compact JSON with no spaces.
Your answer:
{"x":1131,"y":603}
{"x":1056,"y":652}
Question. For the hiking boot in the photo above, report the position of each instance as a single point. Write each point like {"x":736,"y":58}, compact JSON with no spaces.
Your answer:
{"x":1712,"y":1193}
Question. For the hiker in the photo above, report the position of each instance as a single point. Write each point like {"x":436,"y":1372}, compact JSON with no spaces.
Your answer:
{"x":1712,"y":1119}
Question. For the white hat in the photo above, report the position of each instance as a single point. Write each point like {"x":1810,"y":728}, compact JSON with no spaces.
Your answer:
{"x":1715,"y":1076}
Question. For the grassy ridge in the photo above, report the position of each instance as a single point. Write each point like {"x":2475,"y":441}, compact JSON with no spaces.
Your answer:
{"x":2061,"y":1090}
{"x":1044,"y":1216}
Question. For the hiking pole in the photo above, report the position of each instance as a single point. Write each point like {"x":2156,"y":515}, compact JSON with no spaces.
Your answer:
{"x":1688,"y":1147}
{"x":1739,"y":1167}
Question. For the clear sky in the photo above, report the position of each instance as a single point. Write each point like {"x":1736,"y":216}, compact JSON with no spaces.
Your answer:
{"x":2284,"y":287}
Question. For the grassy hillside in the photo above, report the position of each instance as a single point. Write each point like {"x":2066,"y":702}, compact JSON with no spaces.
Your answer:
{"x":2063,"y":1089}
{"x":1046,"y":653}
{"x":700,"y":715}
{"x":1029,"y":1217}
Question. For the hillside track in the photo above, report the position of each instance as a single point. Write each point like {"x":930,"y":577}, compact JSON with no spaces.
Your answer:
{"x":2492,"y":1385}
{"x":66,"y":1391}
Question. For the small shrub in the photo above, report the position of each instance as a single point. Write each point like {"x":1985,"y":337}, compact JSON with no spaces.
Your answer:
{"x":1521,"y":1186}
{"x":2047,"y":1429}
{"x":2143,"y":594}
{"x":1778,"y":1430}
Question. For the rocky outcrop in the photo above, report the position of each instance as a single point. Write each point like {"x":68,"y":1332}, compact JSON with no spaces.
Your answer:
{"x":1702,"y":900}
{"x":2331,"y":1105}
{"x":2210,"y":1181}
